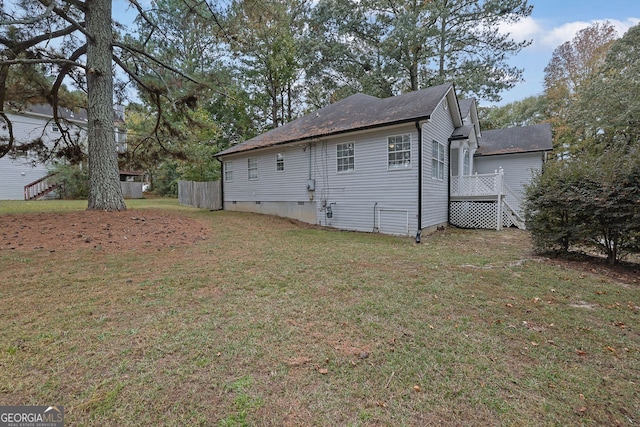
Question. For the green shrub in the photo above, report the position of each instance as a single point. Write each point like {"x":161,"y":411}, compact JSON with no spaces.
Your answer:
{"x":591,"y":200}
{"x":74,"y":180}
{"x":166,"y":179}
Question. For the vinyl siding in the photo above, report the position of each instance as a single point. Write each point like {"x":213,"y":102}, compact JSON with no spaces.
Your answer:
{"x":372,"y":197}
{"x":518,"y":169}
{"x":435,"y":193}
{"x":355,"y":197}
{"x":16,"y":173}
{"x":271,"y":185}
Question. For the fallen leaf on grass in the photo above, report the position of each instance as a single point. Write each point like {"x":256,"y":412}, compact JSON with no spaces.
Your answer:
{"x":417,"y":388}
{"x":611,"y":349}
{"x":581,"y":353}
{"x":323,"y":371}
{"x":381,"y":404}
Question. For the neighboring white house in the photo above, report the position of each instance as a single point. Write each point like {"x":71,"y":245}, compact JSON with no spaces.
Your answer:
{"x":23,"y":174}
{"x":363,"y":163}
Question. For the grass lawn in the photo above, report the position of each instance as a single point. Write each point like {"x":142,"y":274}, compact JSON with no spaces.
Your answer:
{"x":270,"y":323}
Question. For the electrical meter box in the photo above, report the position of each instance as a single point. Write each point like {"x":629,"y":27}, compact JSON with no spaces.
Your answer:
{"x":311,"y":185}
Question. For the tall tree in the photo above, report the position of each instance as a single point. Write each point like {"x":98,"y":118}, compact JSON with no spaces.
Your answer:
{"x":84,"y":29}
{"x":607,"y":106}
{"x":471,"y":49}
{"x":571,"y":66}
{"x":104,"y":179}
{"x":529,"y":111}
{"x":181,"y":34}
{"x":343,"y":53}
{"x":420,"y":43}
{"x":264,"y":39}
{"x":74,"y":40}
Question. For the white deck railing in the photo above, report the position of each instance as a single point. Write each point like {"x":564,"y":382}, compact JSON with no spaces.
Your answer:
{"x":489,"y":184}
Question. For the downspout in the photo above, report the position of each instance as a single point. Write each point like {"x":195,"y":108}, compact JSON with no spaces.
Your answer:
{"x":374,"y":216}
{"x":310,"y":168}
{"x":221,"y":182}
{"x":449,"y":181}
{"x":419,"y":232}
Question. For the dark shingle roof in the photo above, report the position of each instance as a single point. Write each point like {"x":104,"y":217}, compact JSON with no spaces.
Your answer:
{"x":357,"y":112}
{"x":463,"y":132}
{"x":515,"y":140}
{"x":64,"y":113}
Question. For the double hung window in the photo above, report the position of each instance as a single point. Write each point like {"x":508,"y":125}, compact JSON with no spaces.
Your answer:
{"x":345,"y":155}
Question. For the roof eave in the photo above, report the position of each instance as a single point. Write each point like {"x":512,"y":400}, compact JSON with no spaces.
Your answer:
{"x":504,"y":152}
{"x":325,"y":135}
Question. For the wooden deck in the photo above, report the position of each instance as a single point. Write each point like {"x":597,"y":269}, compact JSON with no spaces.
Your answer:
{"x":484,"y":201}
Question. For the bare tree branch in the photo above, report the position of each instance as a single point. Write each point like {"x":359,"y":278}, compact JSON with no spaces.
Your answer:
{"x":144,"y":54}
{"x":131,"y":73}
{"x":17,"y":47}
{"x":32,"y":20}
{"x":60,"y":61}
{"x":78,"y":25}
{"x":5,"y":148}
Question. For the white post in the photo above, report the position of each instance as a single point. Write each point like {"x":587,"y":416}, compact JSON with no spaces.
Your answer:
{"x":499,"y":191}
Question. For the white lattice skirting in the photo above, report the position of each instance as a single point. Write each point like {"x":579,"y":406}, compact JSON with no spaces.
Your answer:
{"x":473,"y":214}
{"x":478,"y":215}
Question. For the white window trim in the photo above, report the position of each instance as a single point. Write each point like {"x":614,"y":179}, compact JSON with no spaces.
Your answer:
{"x":351,"y":170}
{"x":399,"y":166}
{"x":440,"y":158}
{"x":251,"y":160}
{"x":228,"y":171}
{"x":280,"y":159}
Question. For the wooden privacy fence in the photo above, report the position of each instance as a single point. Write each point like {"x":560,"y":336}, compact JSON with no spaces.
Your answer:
{"x":131,"y":190}
{"x":204,"y":195}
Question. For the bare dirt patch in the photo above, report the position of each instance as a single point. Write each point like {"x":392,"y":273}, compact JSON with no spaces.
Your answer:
{"x":626,"y":274}
{"x":109,"y":231}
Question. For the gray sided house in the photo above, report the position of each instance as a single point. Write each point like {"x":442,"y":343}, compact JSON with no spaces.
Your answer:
{"x":20,"y":169}
{"x":362,"y":164}
{"x":23,"y":174}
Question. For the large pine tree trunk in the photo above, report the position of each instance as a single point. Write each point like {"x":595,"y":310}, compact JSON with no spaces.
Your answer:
{"x":104,"y":179}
